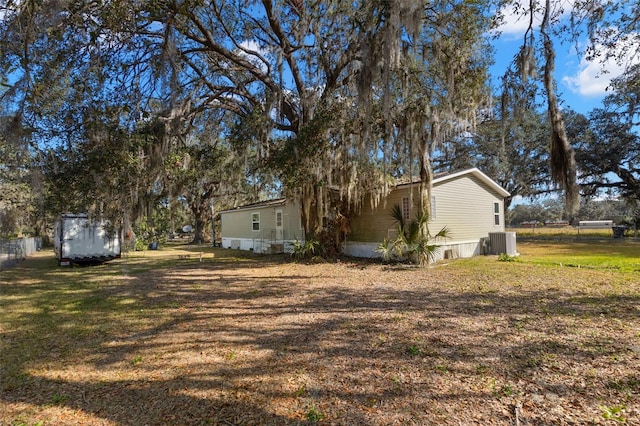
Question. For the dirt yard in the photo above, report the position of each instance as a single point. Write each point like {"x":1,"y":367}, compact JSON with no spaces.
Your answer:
{"x":224,"y":340}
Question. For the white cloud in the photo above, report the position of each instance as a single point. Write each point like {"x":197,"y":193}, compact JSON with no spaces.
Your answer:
{"x":593,"y":77}
{"x":515,"y":21}
{"x":251,"y":51}
{"x":252,"y":46}
{"x":590,"y":80}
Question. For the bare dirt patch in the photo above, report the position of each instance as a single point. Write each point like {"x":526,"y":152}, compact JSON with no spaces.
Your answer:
{"x":261,"y":341}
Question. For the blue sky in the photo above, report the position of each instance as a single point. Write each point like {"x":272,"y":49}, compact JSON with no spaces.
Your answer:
{"x":581,"y":84}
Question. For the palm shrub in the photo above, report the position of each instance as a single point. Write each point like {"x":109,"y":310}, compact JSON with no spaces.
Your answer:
{"x":306,"y":250}
{"x":414,"y":242}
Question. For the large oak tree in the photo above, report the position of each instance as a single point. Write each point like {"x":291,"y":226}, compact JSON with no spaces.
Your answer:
{"x":333,"y":89}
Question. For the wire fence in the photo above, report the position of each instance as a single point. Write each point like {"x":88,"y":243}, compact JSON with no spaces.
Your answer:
{"x":14,"y":251}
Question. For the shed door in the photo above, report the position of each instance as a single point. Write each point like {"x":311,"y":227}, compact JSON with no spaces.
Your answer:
{"x":279,"y":227}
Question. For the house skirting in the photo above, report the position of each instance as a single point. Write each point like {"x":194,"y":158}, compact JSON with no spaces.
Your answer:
{"x":261,"y":246}
{"x":447,"y":250}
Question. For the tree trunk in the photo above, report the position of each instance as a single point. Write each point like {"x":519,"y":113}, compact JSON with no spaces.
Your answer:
{"x":632,"y":184}
{"x":311,"y":206}
{"x":426,"y":172}
{"x":563,"y":163}
{"x":200,"y":220}
{"x":129,"y":236}
{"x":426,"y":182}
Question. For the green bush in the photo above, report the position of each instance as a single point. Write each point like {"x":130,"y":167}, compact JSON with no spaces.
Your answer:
{"x":504,"y":257}
{"x":307,"y":250}
{"x":414,"y":243}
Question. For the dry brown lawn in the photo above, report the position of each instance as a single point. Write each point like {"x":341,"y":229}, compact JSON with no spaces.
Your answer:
{"x":229,"y":340}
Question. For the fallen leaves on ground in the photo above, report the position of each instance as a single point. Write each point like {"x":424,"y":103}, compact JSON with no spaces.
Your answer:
{"x":269,"y":342}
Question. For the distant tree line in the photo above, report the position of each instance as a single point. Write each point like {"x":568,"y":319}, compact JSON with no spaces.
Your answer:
{"x":551,"y":210}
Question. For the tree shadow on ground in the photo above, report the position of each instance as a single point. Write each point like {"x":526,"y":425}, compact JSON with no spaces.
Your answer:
{"x":219,"y":343}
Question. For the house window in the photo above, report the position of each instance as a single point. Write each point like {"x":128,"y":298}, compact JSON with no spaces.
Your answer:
{"x":278,"y":219}
{"x":432,"y":212}
{"x":255,"y":221}
{"x":496,"y":213}
{"x":405,"y":208}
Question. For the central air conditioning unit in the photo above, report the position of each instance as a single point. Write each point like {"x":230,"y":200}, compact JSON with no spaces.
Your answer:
{"x":503,"y":242}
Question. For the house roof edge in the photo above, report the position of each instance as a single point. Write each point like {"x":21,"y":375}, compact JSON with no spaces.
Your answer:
{"x":260,"y":204}
{"x":474,"y":171}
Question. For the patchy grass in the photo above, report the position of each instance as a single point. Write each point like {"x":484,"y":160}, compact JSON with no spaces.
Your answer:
{"x":570,"y":233}
{"x":224,"y":337}
{"x":601,"y":255}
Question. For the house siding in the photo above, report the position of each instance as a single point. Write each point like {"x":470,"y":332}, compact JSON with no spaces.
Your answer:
{"x":372,"y":224}
{"x":237,"y":224}
{"x":463,"y":204}
{"x":237,"y":232}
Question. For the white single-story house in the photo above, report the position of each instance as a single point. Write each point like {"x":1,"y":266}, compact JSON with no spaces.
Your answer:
{"x":265,"y":227}
{"x":468,"y":203}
